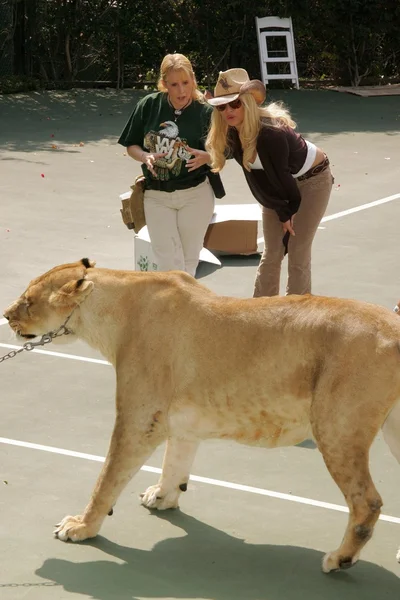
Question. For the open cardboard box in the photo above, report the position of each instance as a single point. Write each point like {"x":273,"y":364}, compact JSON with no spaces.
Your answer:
{"x":232,"y":230}
{"x":144,"y":257}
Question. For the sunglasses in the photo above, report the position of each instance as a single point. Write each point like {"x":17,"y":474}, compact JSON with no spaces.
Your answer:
{"x":234,"y":104}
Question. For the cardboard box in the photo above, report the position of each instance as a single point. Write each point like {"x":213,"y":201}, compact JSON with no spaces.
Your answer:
{"x":232,"y":230}
{"x":144,"y":258}
{"x":232,"y":237}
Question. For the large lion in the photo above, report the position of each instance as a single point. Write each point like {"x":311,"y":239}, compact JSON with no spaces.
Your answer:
{"x":192,"y":365}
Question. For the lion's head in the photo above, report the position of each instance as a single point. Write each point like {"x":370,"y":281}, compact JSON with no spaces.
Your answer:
{"x":49,"y":299}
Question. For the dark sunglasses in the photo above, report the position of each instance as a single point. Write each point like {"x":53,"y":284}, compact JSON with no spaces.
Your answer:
{"x":234,"y":104}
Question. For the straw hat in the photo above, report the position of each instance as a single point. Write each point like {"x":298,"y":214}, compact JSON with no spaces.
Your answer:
{"x":234,"y":82}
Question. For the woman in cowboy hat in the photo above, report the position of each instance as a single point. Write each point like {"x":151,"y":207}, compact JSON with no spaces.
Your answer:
{"x":287,"y":174}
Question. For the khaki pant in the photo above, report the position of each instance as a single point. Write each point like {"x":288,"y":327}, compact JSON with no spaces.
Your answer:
{"x":315,"y":193}
{"x":177,"y":223}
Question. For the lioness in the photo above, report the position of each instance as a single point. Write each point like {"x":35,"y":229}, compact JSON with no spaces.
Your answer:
{"x":192,"y":365}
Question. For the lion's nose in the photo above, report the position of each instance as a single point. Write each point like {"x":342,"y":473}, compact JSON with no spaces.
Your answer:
{"x":5,"y":316}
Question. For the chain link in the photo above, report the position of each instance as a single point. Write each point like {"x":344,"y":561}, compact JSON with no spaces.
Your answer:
{"x":45,"y":339}
{"x":11,"y":354}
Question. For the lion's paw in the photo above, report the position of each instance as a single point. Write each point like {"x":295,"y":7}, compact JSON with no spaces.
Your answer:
{"x":333,"y":561}
{"x":73,"y":528}
{"x":157,"y":498}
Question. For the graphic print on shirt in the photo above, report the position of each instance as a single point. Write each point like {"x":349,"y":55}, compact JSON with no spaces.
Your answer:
{"x":167,"y":140}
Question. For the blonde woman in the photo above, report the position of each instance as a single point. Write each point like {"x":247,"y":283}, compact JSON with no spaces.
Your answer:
{"x":166,"y":133}
{"x":288,"y":175}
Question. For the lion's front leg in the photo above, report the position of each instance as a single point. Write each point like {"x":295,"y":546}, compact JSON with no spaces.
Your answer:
{"x":178,"y":459}
{"x":129,"y":449}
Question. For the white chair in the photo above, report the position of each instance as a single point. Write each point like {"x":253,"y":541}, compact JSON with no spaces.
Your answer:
{"x":274,"y":27}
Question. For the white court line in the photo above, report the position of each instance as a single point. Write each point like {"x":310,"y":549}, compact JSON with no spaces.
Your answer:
{"x":60,"y":355}
{"x":216,"y":482}
{"x":350,"y":211}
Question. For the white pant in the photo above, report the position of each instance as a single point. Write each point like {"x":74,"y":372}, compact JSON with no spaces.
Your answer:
{"x":177,"y":223}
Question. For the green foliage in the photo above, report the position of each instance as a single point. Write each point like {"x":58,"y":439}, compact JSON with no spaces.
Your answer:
{"x":124,"y":41}
{"x":360,"y":35}
{"x":17,"y":83}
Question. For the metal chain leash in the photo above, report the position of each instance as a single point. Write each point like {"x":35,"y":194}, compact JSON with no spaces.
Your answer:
{"x":45,"y":339}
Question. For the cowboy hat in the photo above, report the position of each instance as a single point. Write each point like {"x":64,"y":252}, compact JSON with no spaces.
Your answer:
{"x":234,"y":82}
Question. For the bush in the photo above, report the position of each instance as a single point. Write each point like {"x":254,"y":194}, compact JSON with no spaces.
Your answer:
{"x":18,"y":83}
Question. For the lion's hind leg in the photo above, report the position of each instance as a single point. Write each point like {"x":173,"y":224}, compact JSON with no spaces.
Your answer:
{"x":391,"y":433}
{"x":391,"y":430}
{"x":178,"y":459}
{"x":344,"y":437}
{"x":351,"y":473}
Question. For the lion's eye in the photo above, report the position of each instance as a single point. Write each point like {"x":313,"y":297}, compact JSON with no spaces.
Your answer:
{"x":27,"y":305}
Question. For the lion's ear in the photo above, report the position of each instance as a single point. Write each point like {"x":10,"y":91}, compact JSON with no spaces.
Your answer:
{"x":89,"y":264}
{"x":73,"y":292}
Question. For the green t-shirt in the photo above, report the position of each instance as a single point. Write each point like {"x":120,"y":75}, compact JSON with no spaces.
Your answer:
{"x":154,"y":127}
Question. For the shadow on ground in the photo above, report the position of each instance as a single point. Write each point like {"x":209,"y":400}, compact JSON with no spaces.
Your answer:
{"x":35,"y":121}
{"x":234,"y":260}
{"x":330,"y":113}
{"x":38,"y":120}
{"x":208,"y":563}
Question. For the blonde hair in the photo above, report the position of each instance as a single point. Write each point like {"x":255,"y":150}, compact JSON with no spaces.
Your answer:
{"x":255,"y":117}
{"x":178,"y":62}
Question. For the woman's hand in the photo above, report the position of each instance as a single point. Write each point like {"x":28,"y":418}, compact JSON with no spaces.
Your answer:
{"x":199,"y":158}
{"x":149,"y":158}
{"x":288,"y":226}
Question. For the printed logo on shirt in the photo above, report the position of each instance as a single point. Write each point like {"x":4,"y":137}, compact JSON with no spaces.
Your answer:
{"x":167,"y":140}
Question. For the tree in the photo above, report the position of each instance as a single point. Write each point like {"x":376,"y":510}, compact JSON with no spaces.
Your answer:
{"x":124,"y":41}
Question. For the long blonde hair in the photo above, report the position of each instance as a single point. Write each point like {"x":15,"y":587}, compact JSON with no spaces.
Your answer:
{"x":178,"y":62}
{"x":255,"y":117}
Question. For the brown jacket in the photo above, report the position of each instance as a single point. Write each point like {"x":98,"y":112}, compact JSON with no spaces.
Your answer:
{"x":282,"y":152}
